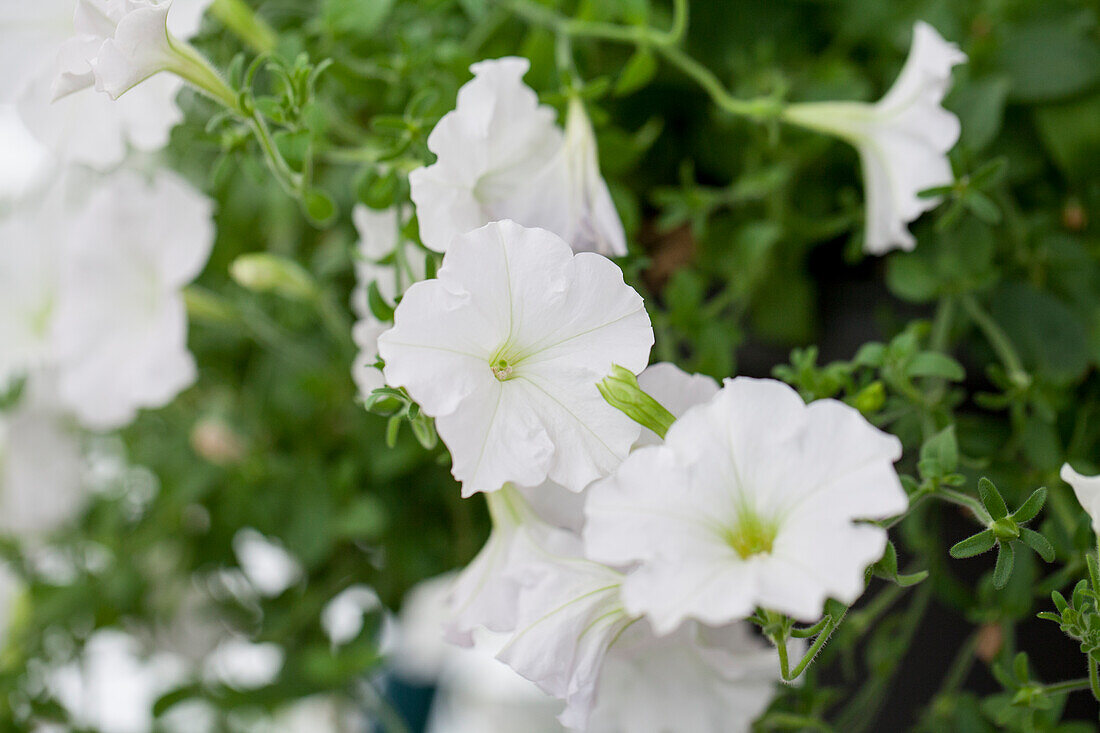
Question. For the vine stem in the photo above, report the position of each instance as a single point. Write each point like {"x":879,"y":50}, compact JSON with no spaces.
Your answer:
{"x":238,"y":17}
{"x":997,"y":339}
{"x":665,"y":43}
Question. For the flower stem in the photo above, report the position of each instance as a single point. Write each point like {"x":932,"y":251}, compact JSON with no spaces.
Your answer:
{"x":1094,"y":678}
{"x":971,"y":503}
{"x":997,"y":339}
{"x":238,"y":17}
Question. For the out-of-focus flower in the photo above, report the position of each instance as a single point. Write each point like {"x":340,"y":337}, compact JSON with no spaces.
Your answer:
{"x":902,"y":140}
{"x":121,"y":323}
{"x":505,"y":348}
{"x":269,"y":568}
{"x":217,"y":442}
{"x":1087,"y":489}
{"x":343,"y":617}
{"x":41,"y":464}
{"x":23,"y":161}
{"x":114,"y":685}
{"x":751,"y":501}
{"x":244,"y":665}
{"x":85,"y":126}
{"x":379,"y":238}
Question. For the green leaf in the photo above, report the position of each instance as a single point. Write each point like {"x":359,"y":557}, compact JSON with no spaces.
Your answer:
{"x":381,"y":310}
{"x":319,"y":207}
{"x":980,"y":106}
{"x":1050,"y":336}
{"x":906,"y":581}
{"x":935,"y":364}
{"x":1051,"y":58}
{"x":942,"y":449}
{"x":974,"y":545}
{"x":992,"y":499}
{"x":1006,"y":557}
{"x":911,"y":278}
{"x":983,"y":207}
{"x":1037,"y":542}
{"x":638,"y":72}
{"x":990,"y":173}
{"x":357,"y":17}
{"x":1031,"y":508}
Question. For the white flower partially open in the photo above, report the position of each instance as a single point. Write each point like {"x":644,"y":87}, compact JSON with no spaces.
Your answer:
{"x":121,"y":323}
{"x":1087,"y":489}
{"x":751,"y":501}
{"x":500,"y":155}
{"x":902,"y":140}
{"x":505,"y":348}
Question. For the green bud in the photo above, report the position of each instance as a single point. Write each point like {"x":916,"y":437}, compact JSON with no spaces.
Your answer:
{"x":263,"y":272}
{"x":871,"y":398}
{"x":620,"y":389}
{"x":1005,"y":530}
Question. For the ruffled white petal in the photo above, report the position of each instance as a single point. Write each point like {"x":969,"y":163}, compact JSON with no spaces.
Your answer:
{"x":1087,"y":489}
{"x":557,"y":321}
{"x":754,"y":453}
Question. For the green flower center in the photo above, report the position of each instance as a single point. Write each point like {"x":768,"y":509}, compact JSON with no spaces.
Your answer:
{"x":502,"y":370}
{"x":751,"y":535}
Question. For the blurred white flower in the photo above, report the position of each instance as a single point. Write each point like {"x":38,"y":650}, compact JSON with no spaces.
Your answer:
{"x":697,"y":679}
{"x":86,"y":126}
{"x":1087,"y":489}
{"x":751,"y":501}
{"x":41,"y":464}
{"x":343,"y":617}
{"x":270,"y":569}
{"x":114,"y":684}
{"x":379,"y":238}
{"x":902,"y":140}
{"x":500,"y":155}
{"x":23,"y":161}
{"x":121,"y":322}
{"x":244,"y":665}
{"x":505,"y":348}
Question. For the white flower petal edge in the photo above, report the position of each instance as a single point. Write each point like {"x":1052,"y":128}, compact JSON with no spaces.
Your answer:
{"x":751,"y":501}
{"x":504,"y":350}
{"x":1087,"y":489}
{"x":902,"y":140}
{"x":121,"y":323}
{"x":698,"y":679}
{"x":497,"y":137}
{"x":676,"y":390}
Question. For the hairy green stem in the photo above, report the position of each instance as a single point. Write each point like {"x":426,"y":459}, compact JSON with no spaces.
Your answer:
{"x":997,"y":339}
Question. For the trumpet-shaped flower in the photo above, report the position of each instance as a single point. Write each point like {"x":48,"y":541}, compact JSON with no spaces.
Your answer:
{"x":121,"y":323}
{"x":753,"y":500}
{"x":1087,"y":489}
{"x":500,"y":155}
{"x":47,"y":47}
{"x":902,"y":140}
{"x":699,"y":679}
{"x":504,"y":350}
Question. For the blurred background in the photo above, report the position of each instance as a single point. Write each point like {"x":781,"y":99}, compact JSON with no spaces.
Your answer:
{"x":253,"y":556}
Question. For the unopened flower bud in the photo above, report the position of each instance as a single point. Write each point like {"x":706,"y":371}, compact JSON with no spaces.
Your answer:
{"x":620,"y":389}
{"x":263,"y":272}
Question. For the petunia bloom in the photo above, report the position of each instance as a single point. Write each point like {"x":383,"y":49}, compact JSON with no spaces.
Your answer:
{"x":902,"y":140}
{"x":1087,"y":489}
{"x":121,"y":322}
{"x":500,"y":155}
{"x":504,"y":350}
{"x":44,"y":43}
{"x":752,"y":501}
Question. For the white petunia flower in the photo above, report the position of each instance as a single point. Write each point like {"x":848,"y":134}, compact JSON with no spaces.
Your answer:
{"x":500,"y":155}
{"x":1087,"y":489}
{"x":43,"y":40}
{"x":497,"y":138}
{"x":698,"y":679}
{"x":485,"y":594}
{"x":751,"y":501}
{"x":270,"y":569}
{"x":504,"y":350}
{"x":902,"y":140}
{"x":121,"y":320}
{"x":379,"y":238}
